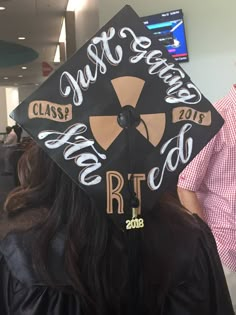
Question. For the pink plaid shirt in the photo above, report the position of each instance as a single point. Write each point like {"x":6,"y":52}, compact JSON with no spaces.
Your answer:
{"x":212,"y":175}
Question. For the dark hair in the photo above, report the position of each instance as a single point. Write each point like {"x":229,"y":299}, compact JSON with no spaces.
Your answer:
{"x":18,"y":131}
{"x":8,"y":129}
{"x":95,"y":250}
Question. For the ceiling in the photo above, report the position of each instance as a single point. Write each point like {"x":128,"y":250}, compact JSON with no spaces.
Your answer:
{"x":39,"y":21}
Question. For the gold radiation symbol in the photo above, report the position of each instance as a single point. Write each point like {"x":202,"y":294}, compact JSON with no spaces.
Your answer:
{"x":128,"y":90}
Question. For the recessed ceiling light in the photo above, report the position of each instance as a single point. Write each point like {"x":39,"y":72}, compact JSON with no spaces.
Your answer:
{"x":23,"y":68}
{"x":5,"y":78}
{"x":21,"y":38}
{"x":2,"y":8}
{"x":20,"y":76}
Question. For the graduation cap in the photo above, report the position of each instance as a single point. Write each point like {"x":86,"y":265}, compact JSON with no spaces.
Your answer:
{"x":121,"y":118}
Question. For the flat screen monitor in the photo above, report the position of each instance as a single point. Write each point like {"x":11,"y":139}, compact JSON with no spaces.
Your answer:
{"x":168,"y":28}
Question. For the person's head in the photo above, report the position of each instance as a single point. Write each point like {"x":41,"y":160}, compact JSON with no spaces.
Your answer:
{"x":96,"y":250}
{"x":8,"y":129}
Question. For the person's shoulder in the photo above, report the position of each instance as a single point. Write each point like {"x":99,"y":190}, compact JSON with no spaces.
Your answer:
{"x":177,"y":218}
{"x":205,"y":235}
{"x":22,"y":286}
{"x":195,"y":243}
{"x":15,"y":248}
{"x":180,"y":232}
{"x":18,"y":248}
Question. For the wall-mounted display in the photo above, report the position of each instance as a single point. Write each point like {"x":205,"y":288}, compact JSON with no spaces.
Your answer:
{"x":168,"y":27}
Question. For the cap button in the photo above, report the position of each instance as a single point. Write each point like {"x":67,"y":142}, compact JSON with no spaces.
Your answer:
{"x":128,"y":117}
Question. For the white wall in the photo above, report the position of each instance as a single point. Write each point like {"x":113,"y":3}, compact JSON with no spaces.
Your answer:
{"x":86,"y":21}
{"x":10,"y":97}
{"x":12,"y":100}
{"x":210,"y":29}
{"x":3,"y":110}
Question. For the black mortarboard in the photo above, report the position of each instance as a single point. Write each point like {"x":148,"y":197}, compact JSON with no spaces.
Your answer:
{"x":121,"y":118}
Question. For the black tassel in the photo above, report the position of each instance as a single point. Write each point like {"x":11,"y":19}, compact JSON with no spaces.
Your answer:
{"x":135,"y":268}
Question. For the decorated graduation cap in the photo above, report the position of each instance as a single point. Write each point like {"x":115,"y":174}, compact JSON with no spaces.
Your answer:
{"x":121,"y":118}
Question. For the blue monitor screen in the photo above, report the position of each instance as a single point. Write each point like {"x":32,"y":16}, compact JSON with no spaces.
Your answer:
{"x":168,"y":27}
